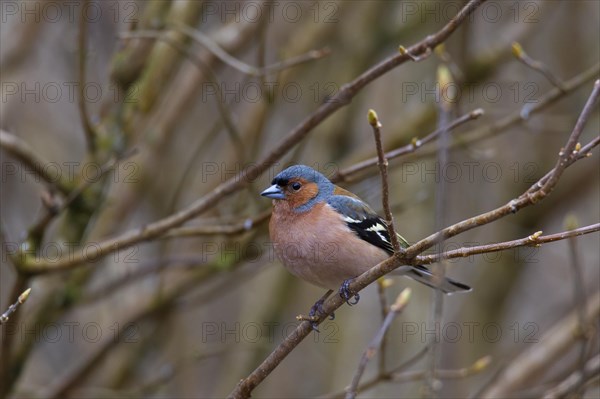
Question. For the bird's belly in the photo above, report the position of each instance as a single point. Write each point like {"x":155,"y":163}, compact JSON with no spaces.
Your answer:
{"x":324,"y":260}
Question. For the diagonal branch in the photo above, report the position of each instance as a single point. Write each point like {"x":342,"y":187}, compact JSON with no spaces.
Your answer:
{"x":19,"y":149}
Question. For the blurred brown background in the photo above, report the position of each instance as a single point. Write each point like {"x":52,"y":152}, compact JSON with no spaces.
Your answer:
{"x":190,"y":316}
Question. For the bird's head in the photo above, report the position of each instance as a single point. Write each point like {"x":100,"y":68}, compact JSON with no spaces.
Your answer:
{"x":300,"y":186}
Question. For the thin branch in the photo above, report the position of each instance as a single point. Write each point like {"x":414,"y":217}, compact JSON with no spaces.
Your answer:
{"x":535,"y":239}
{"x":385,"y":190}
{"x":225,"y":57}
{"x":12,"y":308}
{"x":223,"y":229}
{"x":573,"y":382}
{"x":578,"y":292}
{"x":446,"y":106}
{"x":375,"y":344}
{"x":88,"y":128}
{"x":341,"y":99}
{"x":520,"y":116}
{"x":445,"y":374}
{"x":19,"y":149}
{"x":538,"y":66}
{"x":344,"y":175}
{"x":53,"y":208}
{"x":570,"y":149}
{"x":246,"y":385}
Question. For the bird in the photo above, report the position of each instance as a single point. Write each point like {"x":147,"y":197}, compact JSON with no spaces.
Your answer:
{"x":328,"y":236}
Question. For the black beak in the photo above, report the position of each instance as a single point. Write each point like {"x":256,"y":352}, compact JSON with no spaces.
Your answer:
{"x":274,"y":192}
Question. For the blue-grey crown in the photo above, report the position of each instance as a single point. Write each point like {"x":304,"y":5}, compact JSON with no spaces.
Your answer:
{"x":325,"y":186}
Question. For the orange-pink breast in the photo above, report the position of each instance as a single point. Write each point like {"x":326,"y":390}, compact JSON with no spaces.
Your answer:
{"x":318,"y":246}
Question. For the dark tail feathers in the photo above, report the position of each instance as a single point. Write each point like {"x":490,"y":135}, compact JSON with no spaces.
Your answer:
{"x":424,"y":276}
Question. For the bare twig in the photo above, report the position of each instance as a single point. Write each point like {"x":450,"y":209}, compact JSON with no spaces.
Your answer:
{"x":342,"y":98}
{"x":21,"y":300}
{"x":535,"y":239}
{"x":538,"y":66}
{"x":570,"y":148}
{"x":446,"y":374}
{"x":344,"y":175}
{"x":221,"y":54}
{"x":214,"y":48}
{"x":385,"y":190}
{"x":24,"y":153}
{"x":375,"y":344}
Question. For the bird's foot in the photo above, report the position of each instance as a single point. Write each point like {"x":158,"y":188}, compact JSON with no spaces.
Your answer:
{"x":346,"y":294}
{"x":315,"y":313}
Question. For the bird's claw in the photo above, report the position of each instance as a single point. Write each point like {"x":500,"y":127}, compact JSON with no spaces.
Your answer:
{"x":315,"y":312}
{"x":346,"y":294}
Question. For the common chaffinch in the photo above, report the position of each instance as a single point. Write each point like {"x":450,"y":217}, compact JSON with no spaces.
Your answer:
{"x":327,"y":236}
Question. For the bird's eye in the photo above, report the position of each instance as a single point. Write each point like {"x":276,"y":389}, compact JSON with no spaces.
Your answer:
{"x":296,"y":186}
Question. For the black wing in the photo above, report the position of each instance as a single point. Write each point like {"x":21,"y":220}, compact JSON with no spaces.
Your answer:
{"x":361,"y":219}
